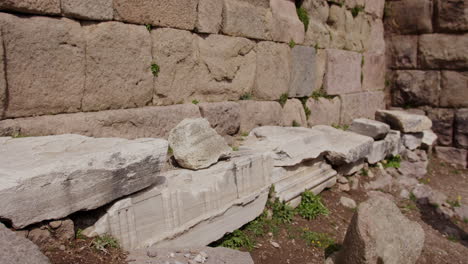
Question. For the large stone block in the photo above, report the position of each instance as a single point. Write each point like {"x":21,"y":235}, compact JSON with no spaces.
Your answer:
{"x":402,"y":51}
{"x":371,"y":128}
{"x":317,"y":34}
{"x":375,"y":7}
{"x":273,"y":76}
{"x":416,"y":88}
{"x":353,"y":27}
{"x":324,"y":111}
{"x":461,"y":128}
{"x":210,"y":16}
{"x":337,"y":24}
{"x":129,"y":123}
{"x":320,"y":68}
{"x":88,"y":9}
{"x":293,"y":113}
{"x":452,"y":15}
{"x":374,"y":40}
{"x":454,"y":89}
{"x":302,"y":71}
{"x":246,"y":19}
{"x":224,"y":117}
{"x":118,"y":62}
{"x":443,"y":51}
{"x":285,"y":25}
{"x":257,"y":113}
{"x":47,"y":7}
{"x":404,"y":121}
{"x":176,"y":13}
{"x":192,"y":208}
{"x":442,"y":125}
{"x":46,"y":65}
{"x":361,"y":105}
{"x":409,"y":16}
{"x":343,"y":72}
{"x":373,"y":72}
{"x":3,"y":84}
{"x":69,"y":173}
{"x":318,"y":9}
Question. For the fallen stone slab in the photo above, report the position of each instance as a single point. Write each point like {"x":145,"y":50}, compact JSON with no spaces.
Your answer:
{"x":19,"y":250}
{"x":196,"y":145}
{"x":380,"y":233}
{"x":52,"y":177}
{"x":191,"y":208}
{"x":371,"y":128}
{"x":403,"y":121}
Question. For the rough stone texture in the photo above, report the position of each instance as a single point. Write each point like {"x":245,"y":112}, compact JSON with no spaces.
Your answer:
{"x":48,"y":7}
{"x":273,"y":76}
{"x":317,"y":34}
{"x":374,"y":41}
{"x":390,"y":145}
{"x":291,"y":182}
{"x":393,"y":139}
{"x":246,"y":19}
{"x":452,"y":155}
{"x":348,"y":202}
{"x":410,"y":16}
{"x":379,"y":232}
{"x":443,"y":51}
{"x":210,"y":14}
{"x":337,"y":26}
{"x":320,"y":67}
{"x":88,"y":9}
{"x":206,"y":255}
{"x":429,"y":139}
{"x":375,"y":7}
{"x":224,"y":117}
{"x":402,"y":51}
{"x":361,"y":105}
{"x":371,"y":128}
{"x":256,"y":113}
{"x":191,"y":208}
{"x":412,"y":141}
{"x":16,"y":249}
{"x":176,"y":13}
{"x":293,"y":113}
{"x":442,"y":125}
{"x":452,"y":15}
{"x":454,"y":89}
{"x":3,"y":84}
{"x":302,"y":71}
{"x":343,"y":72}
{"x":349,"y":169}
{"x":118,"y":60}
{"x":461,"y":128}
{"x":317,"y":9}
{"x":131,"y":123}
{"x":46,"y":63}
{"x":196,"y":145}
{"x":354,"y":35}
{"x":403,"y":121}
{"x":416,"y":88}
{"x":285,"y":25}
{"x":69,"y":173}
{"x":324,"y":111}
{"x":373,"y":72}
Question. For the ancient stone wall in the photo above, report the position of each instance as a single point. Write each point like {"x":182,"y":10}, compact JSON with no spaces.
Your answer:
{"x":133,"y":69}
{"x":427,"y":42}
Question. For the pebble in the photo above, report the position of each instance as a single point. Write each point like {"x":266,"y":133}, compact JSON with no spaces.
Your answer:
{"x":274,"y":244}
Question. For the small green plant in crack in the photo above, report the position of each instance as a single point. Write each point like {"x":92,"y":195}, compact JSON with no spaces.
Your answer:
{"x":245,"y":134}
{"x":292,"y":43}
{"x":456,"y":202}
{"x":149,"y":27}
{"x":283,"y":99}
{"x":246,"y":96}
{"x":195,"y":102}
{"x":364,"y":172}
{"x":102,"y":243}
{"x":235,"y":148}
{"x":282,"y":213}
{"x":413,"y":197}
{"x":452,"y":238}
{"x":236,"y":240}
{"x":170,"y":151}
{"x":356,"y":10}
{"x":295,"y":123}
{"x":311,"y":206}
{"x":316,"y":95}
{"x":319,"y":240}
{"x":303,"y":17}
{"x":79,"y":234}
{"x":155,"y":69}
{"x":465,"y":220}
{"x":393,"y":162}
{"x":340,"y":127}
{"x":424,"y":181}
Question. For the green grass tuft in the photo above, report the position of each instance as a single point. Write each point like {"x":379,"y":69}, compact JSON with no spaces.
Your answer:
{"x":155,"y":69}
{"x":311,"y":206}
{"x":303,"y":17}
{"x":283,"y":99}
{"x":393,"y":162}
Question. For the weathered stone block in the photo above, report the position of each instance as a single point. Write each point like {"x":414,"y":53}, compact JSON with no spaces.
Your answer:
{"x":403,"y":121}
{"x":285,"y":25}
{"x":129,"y":123}
{"x":210,"y":16}
{"x":337,"y":23}
{"x":318,"y":9}
{"x":46,"y":65}
{"x":410,"y":16}
{"x":371,"y":128}
{"x":412,"y":141}
{"x":443,"y":51}
{"x":224,"y":117}
{"x":88,"y":9}
{"x":176,"y":13}
{"x":343,"y":72}
{"x":47,"y":7}
{"x":246,"y":19}
{"x":324,"y":111}
{"x":361,"y":105}
{"x":454,"y":89}
{"x":374,"y":40}
{"x":452,"y":15}
{"x":402,"y":51}
{"x":461,"y":128}
{"x":293,"y":113}
{"x":257,"y":113}
{"x":354,"y":27}
{"x":442,"y":125}
{"x":69,"y":173}
{"x":375,"y":7}
{"x":302,"y":71}
{"x":416,"y":88}
{"x":429,"y":140}
{"x":273,"y":76}
{"x":317,"y":34}
{"x":373,"y":72}
{"x":320,"y":67}
{"x":128,"y":82}
{"x":452,"y":155}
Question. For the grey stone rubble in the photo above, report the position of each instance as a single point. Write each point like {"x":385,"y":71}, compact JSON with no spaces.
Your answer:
{"x":68,"y":173}
{"x":404,"y":121}
{"x":371,"y":128}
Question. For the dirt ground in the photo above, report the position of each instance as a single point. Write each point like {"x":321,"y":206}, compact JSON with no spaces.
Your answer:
{"x":446,"y":240}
